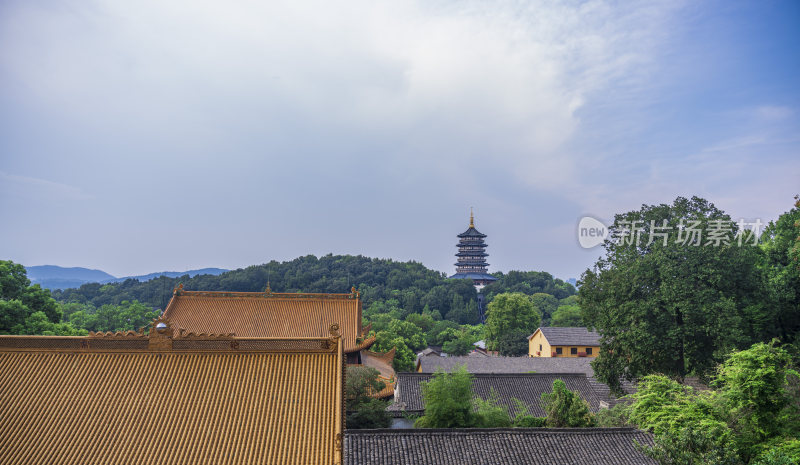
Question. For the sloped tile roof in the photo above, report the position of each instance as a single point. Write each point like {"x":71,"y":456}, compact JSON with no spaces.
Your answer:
{"x":268,"y":314}
{"x":383,"y":363}
{"x":380,"y":361}
{"x":526,"y":387}
{"x":479,"y":363}
{"x":388,"y":384}
{"x":164,"y":399}
{"x":501,"y":446}
{"x":573,"y":336}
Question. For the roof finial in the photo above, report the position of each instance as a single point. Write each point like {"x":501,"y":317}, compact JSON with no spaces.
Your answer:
{"x":471,"y":219}
{"x":268,"y":290}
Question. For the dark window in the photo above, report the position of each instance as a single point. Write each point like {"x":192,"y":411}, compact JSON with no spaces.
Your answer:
{"x":588,"y":351}
{"x":540,"y":347}
{"x":558,"y":350}
{"x":573,"y":351}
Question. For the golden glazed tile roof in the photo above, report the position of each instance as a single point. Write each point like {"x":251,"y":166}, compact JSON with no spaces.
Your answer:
{"x":380,"y":361}
{"x":383,"y":363}
{"x":170,"y":399}
{"x":268,"y":314}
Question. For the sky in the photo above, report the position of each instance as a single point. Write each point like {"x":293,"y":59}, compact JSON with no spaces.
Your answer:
{"x":148,"y":136}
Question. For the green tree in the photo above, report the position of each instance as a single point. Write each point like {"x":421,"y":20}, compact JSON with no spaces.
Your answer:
{"x":459,"y":346}
{"x":688,"y":426}
{"x":489,"y":413}
{"x":784,"y":453}
{"x":364,"y":410}
{"x":688,"y":446}
{"x":404,"y":357}
{"x":19,"y":301}
{"x":13,"y":280}
{"x":513,"y":343}
{"x":546,"y":304}
{"x":510,"y":312}
{"x":411,"y":334}
{"x":750,"y":418}
{"x":754,"y":385}
{"x":614,"y":417}
{"x":781,"y":266}
{"x":528,"y":283}
{"x":523,"y":418}
{"x":442,"y":331}
{"x":463,"y":313}
{"x":127,"y":316}
{"x":674,"y":308}
{"x":38,"y":323}
{"x":424,"y":321}
{"x":566,"y":408}
{"x":448,"y":401}
{"x":567,"y":316}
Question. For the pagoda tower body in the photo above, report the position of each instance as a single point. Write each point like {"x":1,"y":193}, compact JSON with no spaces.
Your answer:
{"x":471,"y":256}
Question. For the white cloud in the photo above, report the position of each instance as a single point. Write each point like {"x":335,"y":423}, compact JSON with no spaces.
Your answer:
{"x":455,"y":81}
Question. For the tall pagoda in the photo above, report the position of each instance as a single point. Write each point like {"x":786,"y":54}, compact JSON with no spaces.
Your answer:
{"x":472,"y":255}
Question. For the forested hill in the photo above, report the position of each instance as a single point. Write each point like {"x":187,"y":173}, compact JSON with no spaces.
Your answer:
{"x":411,"y":283}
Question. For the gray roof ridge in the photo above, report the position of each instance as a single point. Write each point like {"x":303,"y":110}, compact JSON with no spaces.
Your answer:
{"x":424,"y":431}
{"x":494,"y":375}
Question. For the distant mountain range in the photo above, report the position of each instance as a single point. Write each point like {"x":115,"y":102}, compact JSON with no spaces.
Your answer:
{"x":57,"y":277}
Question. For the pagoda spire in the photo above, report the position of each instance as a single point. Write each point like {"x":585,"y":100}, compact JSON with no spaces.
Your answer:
{"x":471,"y":218}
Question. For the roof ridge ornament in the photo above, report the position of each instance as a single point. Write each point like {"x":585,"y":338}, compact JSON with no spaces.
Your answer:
{"x":471,"y":218}
{"x":118,"y":334}
{"x":202,"y":336}
{"x":178,"y":289}
{"x":268,"y":290}
{"x":161,"y":334}
{"x":334,"y":330}
{"x":354,"y":294}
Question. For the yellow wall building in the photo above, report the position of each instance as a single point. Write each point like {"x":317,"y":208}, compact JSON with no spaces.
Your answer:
{"x":563,"y":342}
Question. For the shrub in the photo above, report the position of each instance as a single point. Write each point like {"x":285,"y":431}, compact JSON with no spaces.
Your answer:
{"x":489,"y":413}
{"x":363,"y":410}
{"x":566,"y":408}
{"x":448,"y":401}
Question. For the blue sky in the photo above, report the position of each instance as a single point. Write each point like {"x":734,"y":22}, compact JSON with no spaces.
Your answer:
{"x":146,"y":136}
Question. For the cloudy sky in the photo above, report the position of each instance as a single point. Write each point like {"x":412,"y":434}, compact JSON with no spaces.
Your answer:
{"x":140,"y":136}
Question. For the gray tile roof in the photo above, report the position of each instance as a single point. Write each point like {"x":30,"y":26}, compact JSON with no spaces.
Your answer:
{"x":479,"y":363}
{"x":501,"y":446}
{"x":526,"y":387}
{"x":570,"y":336}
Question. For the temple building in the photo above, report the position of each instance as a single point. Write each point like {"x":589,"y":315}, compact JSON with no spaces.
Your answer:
{"x":273,"y":314}
{"x":171,"y":397}
{"x":471,"y":256}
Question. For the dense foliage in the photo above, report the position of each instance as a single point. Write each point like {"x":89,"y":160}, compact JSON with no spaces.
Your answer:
{"x":565,"y":408}
{"x":753,"y":417}
{"x":677,"y":304}
{"x":363,"y":410}
{"x":510,"y":319}
{"x":413,"y":285}
{"x":26,"y":309}
{"x":450,"y":403}
{"x":780,"y":265}
{"x":529,"y":283}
